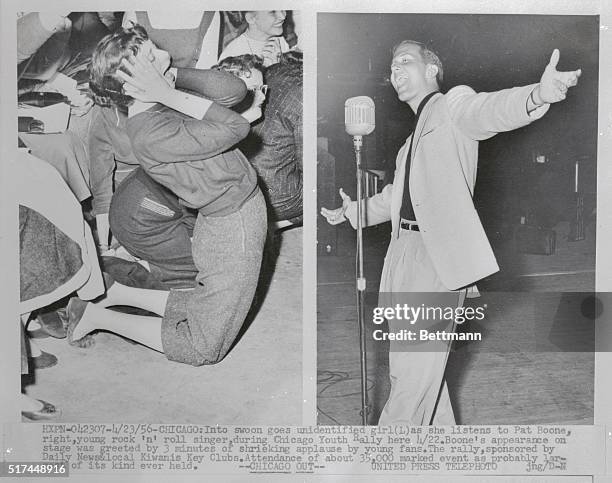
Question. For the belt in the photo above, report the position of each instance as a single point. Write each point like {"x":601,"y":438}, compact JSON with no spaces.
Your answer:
{"x":409,"y":225}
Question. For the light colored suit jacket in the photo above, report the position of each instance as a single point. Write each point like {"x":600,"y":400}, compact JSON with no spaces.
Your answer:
{"x":442,"y":178}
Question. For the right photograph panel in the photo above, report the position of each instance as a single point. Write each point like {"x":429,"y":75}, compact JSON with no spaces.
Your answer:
{"x":461,"y":291}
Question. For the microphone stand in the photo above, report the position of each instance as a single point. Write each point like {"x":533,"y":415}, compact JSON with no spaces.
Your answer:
{"x":361,"y":285}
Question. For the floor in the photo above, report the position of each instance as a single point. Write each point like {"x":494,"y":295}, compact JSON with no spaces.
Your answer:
{"x":258,"y":383}
{"x":534,"y":365}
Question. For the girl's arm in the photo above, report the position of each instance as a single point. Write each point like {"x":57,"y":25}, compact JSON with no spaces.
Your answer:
{"x":218,"y":86}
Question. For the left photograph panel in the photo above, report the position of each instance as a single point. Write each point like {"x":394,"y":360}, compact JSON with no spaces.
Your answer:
{"x":160,"y":216}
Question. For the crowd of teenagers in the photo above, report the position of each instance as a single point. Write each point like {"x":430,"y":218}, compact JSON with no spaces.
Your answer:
{"x":181,"y":157}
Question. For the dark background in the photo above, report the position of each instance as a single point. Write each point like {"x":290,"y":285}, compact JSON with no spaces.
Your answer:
{"x":488,"y":53}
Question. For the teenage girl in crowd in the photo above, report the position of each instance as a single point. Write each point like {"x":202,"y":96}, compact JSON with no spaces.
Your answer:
{"x":183,"y":142}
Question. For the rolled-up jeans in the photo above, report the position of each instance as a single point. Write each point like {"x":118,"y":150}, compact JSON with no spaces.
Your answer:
{"x":200,"y":325}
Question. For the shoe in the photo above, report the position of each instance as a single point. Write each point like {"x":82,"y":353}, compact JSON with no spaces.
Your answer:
{"x":48,"y":411}
{"x":44,"y":360}
{"x":75,"y":310}
{"x":51,"y":323}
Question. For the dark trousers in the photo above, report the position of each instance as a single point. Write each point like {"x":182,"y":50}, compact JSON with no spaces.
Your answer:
{"x":148,"y":220}
{"x":288,"y":208}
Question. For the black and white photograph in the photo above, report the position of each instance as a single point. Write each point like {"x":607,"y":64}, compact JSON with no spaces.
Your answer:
{"x":160,"y":216}
{"x":343,"y":241}
{"x":473,"y":140}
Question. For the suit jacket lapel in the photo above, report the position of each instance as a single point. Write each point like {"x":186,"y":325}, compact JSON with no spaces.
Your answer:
{"x":398,"y":191}
{"x":418,"y":129}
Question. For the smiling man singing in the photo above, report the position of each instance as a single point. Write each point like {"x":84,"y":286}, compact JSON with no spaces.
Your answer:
{"x":438,"y":243}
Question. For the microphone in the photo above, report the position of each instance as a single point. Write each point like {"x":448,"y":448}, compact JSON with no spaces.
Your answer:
{"x":358,"y":122}
{"x":359,"y":119}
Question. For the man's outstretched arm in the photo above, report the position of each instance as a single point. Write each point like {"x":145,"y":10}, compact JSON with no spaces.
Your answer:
{"x":483,"y":115}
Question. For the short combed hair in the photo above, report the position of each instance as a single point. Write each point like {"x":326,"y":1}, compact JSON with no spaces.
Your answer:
{"x":241,"y":64}
{"x":429,"y":56}
{"x":105,"y":85}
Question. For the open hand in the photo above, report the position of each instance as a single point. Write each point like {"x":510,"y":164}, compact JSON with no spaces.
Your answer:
{"x":554,"y":84}
{"x":144,"y":82}
{"x":335,"y":217}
